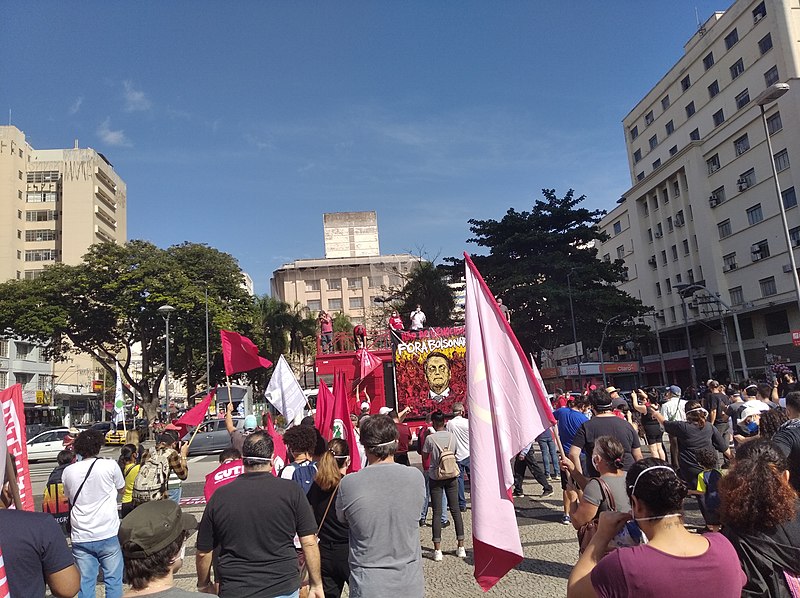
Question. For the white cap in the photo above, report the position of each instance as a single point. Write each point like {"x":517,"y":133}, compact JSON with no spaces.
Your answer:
{"x":385,"y":410}
{"x":364,"y":405}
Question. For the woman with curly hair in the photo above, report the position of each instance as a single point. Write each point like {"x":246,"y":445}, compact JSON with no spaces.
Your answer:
{"x":759,"y":512}
{"x":771,"y":420}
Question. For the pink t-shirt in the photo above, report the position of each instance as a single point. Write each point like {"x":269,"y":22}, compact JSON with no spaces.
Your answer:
{"x":646,"y":572}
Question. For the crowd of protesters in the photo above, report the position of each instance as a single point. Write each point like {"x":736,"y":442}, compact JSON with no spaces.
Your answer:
{"x":736,"y":451}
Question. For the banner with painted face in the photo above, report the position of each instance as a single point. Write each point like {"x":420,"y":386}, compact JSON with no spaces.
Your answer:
{"x":431,"y":370}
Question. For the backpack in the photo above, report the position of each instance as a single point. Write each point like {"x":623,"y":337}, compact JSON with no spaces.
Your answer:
{"x":303,"y":474}
{"x":447,"y":467}
{"x":151,"y":483}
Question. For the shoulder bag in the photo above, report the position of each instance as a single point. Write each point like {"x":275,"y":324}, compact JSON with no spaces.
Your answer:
{"x":587,"y":531}
{"x":68,"y":524}
{"x":304,"y":568}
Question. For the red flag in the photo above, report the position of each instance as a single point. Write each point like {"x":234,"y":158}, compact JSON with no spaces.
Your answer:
{"x":221,"y":476}
{"x":368,"y":362}
{"x":279,"y":448}
{"x":342,"y":426}
{"x":15,"y":440}
{"x":507,"y":410}
{"x":196,"y":415}
{"x":240,"y":354}
{"x":323,"y":418}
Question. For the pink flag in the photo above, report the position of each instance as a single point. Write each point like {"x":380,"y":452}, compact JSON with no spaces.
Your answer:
{"x":342,"y":426}
{"x":368,"y":362}
{"x":279,"y":448}
{"x":323,"y":418}
{"x":196,"y":415}
{"x":16,"y":439}
{"x":507,"y":410}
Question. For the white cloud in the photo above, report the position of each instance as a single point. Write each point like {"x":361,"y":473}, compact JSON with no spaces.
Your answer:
{"x":76,"y":105}
{"x":115,"y":138}
{"x":135,"y":100}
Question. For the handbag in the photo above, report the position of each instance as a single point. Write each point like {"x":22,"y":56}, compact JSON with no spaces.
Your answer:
{"x":304,"y":568}
{"x":68,"y":524}
{"x":587,"y":531}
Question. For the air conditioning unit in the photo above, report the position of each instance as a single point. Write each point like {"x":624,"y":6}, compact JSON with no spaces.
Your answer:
{"x":652,"y":262}
{"x":787,"y":268}
{"x":658,"y":235}
{"x":660,"y":313}
{"x":713,"y":201}
{"x":691,"y":305}
{"x":712,"y":168}
{"x":743,"y":184}
{"x":729,"y":267}
{"x":679,"y":222}
{"x":757,"y":17}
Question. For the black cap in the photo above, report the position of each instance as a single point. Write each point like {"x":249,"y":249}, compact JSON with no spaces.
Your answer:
{"x":153,"y":526}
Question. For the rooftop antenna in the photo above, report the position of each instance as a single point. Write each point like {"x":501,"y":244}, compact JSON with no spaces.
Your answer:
{"x":700,"y":28}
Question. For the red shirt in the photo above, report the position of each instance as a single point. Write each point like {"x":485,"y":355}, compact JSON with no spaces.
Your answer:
{"x":403,"y":438}
{"x":561,"y":401}
{"x":396,"y":323}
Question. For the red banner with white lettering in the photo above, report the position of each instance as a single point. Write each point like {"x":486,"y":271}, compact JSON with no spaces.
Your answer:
{"x":14,"y":419}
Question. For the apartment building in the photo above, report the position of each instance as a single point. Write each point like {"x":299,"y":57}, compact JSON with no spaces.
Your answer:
{"x":703,"y":208}
{"x":54,"y":204}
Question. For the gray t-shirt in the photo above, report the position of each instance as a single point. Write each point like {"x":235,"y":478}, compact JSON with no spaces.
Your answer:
{"x":433,"y":445}
{"x":381,"y":504}
{"x":175,"y":593}
{"x":593,"y":494}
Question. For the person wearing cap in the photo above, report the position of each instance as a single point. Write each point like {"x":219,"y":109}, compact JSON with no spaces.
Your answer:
{"x":673,"y":410}
{"x":251,"y":524}
{"x":153,"y":539}
{"x":249,"y":426}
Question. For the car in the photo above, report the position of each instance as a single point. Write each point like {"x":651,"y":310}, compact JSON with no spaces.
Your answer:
{"x":46,"y":445}
{"x":120,"y":435}
{"x":212,"y":436}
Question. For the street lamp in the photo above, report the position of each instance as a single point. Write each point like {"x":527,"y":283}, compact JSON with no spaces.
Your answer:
{"x":165,"y":311}
{"x":681,"y":291}
{"x":602,"y":340}
{"x":574,"y":332}
{"x":660,"y":351}
{"x":208,"y":357}
{"x":765,"y":98}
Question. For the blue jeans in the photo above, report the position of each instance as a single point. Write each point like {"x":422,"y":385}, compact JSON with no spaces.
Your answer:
{"x":549,"y":457}
{"x":106,"y":554}
{"x":426,"y":503}
{"x":463,"y":468}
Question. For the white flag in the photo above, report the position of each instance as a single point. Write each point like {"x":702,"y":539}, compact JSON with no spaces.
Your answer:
{"x":284,"y":391}
{"x":119,"y":400}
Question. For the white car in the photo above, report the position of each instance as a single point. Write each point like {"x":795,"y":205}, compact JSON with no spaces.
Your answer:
{"x":46,"y":445}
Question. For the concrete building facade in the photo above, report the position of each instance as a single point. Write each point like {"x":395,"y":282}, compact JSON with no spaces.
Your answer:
{"x":703,"y":209}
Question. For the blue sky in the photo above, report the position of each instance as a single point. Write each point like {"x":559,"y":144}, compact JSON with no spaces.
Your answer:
{"x":238,"y":124}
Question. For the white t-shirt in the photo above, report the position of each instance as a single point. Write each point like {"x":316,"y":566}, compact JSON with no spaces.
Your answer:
{"x":674,"y":410}
{"x":94,"y":516}
{"x":417,"y":320}
{"x":459,"y":427}
{"x":756,"y":404}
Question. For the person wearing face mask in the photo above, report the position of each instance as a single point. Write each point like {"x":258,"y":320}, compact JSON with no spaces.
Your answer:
{"x":747,"y":427}
{"x":674,"y":562}
{"x":153,"y":538}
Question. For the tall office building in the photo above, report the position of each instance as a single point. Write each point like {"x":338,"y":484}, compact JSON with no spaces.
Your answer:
{"x":54,"y":204}
{"x":703,"y":208}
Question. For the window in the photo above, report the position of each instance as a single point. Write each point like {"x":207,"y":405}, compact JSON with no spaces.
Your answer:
{"x":771,"y":76}
{"x":686,"y":83}
{"x":645,"y":208}
{"x":650,"y":234}
{"x":33,"y":274}
{"x":689,"y":109}
{"x":637,"y":156}
{"x":354,"y":283}
{"x":617,"y":227}
{"x":48,"y":235}
{"x":708,"y":61}
{"x":659,"y":230}
{"x":607,"y":258}
{"x":686,"y":247}
{"x":731,"y":39}
{"x":690,"y":275}
{"x":789,"y":198}
{"x":678,"y":278}
{"x":653,"y":142}
{"x":747,"y":179}
{"x":24,"y":350}
{"x":314,"y":305}
{"x":759,"y":12}
{"x":724,"y":229}
{"x":656,"y":163}
{"x":765,"y":43}
{"x":743,"y":99}
{"x":729,"y":261}
{"x":334,"y":304}
{"x":669,"y":286}
{"x":672,"y":313}
{"x":754,"y":215}
{"x":774,"y":123}
{"x":356,"y":302}
{"x":719,"y":117}
{"x":620,"y":252}
{"x":737,"y":297}
{"x":741,"y":145}
{"x":694,"y":135}
{"x":760,"y":250}
{"x":648,"y":118}
{"x":670,"y":127}
{"x":781,"y":160}
{"x":676,"y":188}
{"x":670,"y":226}
{"x":712,"y":164}
{"x":335,"y":284}
{"x":44,"y":382}
{"x":40,"y":215}
{"x":794,"y":235}
{"x":375,"y":282}
{"x":713,"y":89}
{"x":674,"y":249}
{"x":40,"y":255}
{"x":3,"y":379}
{"x":634,"y":132}
{"x":311,"y":285}
{"x":664,"y":257}
{"x":3,"y":348}
{"x":737,"y":68}
{"x":665,"y":102}
{"x":776,"y":322}
{"x":640,"y":176}
{"x":673,"y":150}
{"x":768,"y":288}
{"x":40,"y":196}
{"x":658,"y":289}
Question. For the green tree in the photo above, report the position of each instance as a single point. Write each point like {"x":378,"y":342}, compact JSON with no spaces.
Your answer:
{"x":530,"y":255}
{"x":341,"y":323}
{"x":428,"y":286}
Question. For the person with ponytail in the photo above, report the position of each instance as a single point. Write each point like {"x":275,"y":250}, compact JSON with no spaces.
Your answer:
{"x":129,"y":464}
{"x":759,"y":512}
{"x":334,"y":535}
{"x":605,"y":493}
{"x":673,"y":562}
{"x":693,"y":435}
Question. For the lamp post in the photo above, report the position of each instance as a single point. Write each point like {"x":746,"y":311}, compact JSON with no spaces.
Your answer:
{"x":660,"y":351}
{"x":574,"y":331}
{"x":765,"y":98}
{"x":165,"y":311}
{"x":208,"y":354}
{"x":602,"y":340}
{"x":692,"y":371}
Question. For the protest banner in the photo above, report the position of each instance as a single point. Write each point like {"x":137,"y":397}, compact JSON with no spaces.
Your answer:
{"x":14,"y":419}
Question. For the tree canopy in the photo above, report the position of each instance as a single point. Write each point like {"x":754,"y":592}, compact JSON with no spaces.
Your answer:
{"x":428,"y":286}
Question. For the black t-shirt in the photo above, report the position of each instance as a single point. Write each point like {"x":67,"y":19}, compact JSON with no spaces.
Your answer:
{"x":690,"y":440}
{"x":251,"y":523}
{"x":332,"y":530}
{"x":788,"y":440}
{"x":606,"y":426}
{"x":719,"y":402}
{"x":734,"y":409}
{"x":33,"y":546}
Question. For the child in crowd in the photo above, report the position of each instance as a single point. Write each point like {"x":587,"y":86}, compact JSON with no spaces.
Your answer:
{"x":706,"y":492}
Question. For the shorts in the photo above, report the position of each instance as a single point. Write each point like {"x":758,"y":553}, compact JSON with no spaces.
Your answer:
{"x":565,"y":480}
{"x":654,"y":434}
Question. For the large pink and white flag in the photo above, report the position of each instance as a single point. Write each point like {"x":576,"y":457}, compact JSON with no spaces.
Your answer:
{"x":508,"y":408}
